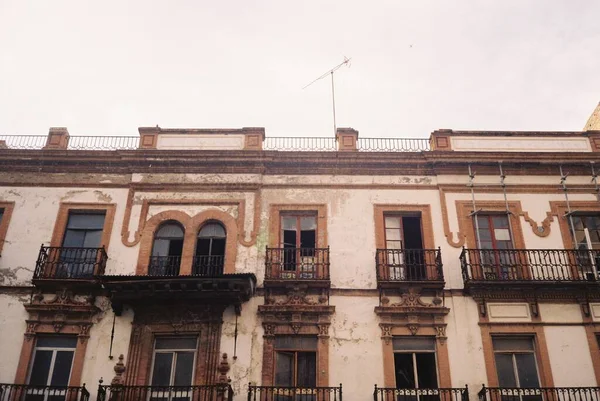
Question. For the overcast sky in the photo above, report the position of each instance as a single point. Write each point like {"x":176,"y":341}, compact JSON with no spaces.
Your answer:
{"x":107,"y":67}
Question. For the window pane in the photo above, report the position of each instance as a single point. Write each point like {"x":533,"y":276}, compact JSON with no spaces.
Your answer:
{"x":413,"y":344}
{"x":307,"y":369}
{"x":284,"y":368}
{"x":505,"y":369}
{"x":183,"y":369}
{"x":500,"y":221}
{"x":405,"y":371}
{"x":289,"y":238}
{"x":305,"y":343}
{"x":92,"y":239}
{"x":161,"y":375}
{"x":308,"y":223}
{"x":56,"y":341}
{"x":62,"y":368}
{"x":41,"y":368}
{"x":308,"y":239}
{"x":426,"y":370}
{"x":527,"y":370}
{"x":393,"y":234}
{"x":393,"y":245}
{"x":203,"y":247}
{"x":392,"y":222}
{"x":212,"y":230}
{"x":512,"y":344}
{"x":170,"y":230}
{"x":176,"y":343}
{"x":482,"y":221}
{"x":74,"y":238}
{"x":502,"y":234}
{"x":160,"y":247}
{"x":218,"y":247}
{"x":288,"y":223}
{"x":83,"y":221}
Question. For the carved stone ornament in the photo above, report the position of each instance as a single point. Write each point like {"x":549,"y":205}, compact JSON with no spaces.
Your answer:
{"x":295,"y":328}
{"x":269,"y":329}
{"x":413,"y":329}
{"x":323,"y":330}
{"x":119,"y":370}
{"x":223,"y":370}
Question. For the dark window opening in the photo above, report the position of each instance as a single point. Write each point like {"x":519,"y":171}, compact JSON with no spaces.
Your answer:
{"x":515,"y":362}
{"x":494,"y":238}
{"x":166,"y":250}
{"x":52,"y":363}
{"x":295,"y":362}
{"x":81,"y":241}
{"x":415,"y":364}
{"x":587,"y":238}
{"x":299,"y":242}
{"x":404,"y":245}
{"x":174,"y":359}
{"x":210,"y":250}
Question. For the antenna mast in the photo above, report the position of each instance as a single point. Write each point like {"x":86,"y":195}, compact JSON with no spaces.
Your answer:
{"x":330,"y":72}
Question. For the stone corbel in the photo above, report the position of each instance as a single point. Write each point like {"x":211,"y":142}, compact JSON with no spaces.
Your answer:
{"x":386,"y":332}
{"x":440,"y":333}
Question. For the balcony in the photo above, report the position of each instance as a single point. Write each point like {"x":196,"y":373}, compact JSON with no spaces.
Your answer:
{"x":27,"y":392}
{"x":540,"y":394}
{"x":164,"y":265}
{"x":421,"y":394}
{"x":529,"y":267}
{"x":308,"y":266}
{"x":212,"y":392}
{"x":278,"y":393}
{"x":73,"y":266}
{"x":398,"y":268}
{"x":208,"y":265}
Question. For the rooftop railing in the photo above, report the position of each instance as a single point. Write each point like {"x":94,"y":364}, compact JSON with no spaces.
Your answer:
{"x":529,"y":265}
{"x":298,"y":393}
{"x":30,"y":392}
{"x":539,"y":394}
{"x":283,"y":144}
{"x":75,"y":142}
{"x":56,"y":262}
{"x":421,"y":394}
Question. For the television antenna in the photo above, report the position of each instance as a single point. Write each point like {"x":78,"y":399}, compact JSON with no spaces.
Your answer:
{"x":330,"y":72}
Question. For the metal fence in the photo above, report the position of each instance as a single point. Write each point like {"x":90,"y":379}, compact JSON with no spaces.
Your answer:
{"x":210,"y":392}
{"x":497,"y":265}
{"x":74,"y":143}
{"x":280,"y":393}
{"x":297,"y":264}
{"x":540,"y":394}
{"x":30,"y":392}
{"x":421,"y":394}
{"x":300,"y":144}
{"x":393,"y":144}
{"x":409,"y":265}
{"x":55,"y":262}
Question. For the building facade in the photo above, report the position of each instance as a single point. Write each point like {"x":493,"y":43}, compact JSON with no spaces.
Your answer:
{"x":207,"y":264}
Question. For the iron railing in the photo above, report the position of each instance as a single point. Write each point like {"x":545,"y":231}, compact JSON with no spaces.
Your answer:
{"x":539,"y":394}
{"x":164,"y":265}
{"x":393,"y":144}
{"x":29,"y":392}
{"x":421,"y":394}
{"x":55,"y":262}
{"x":409,"y":265}
{"x":300,"y":144}
{"x":562,"y":265}
{"x":210,"y":392}
{"x":279,"y":393}
{"x":297,"y":264}
{"x":74,"y":142}
{"x":208,"y":265}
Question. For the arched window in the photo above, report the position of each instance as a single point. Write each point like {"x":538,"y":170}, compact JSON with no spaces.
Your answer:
{"x":210,"y":250}
{"x":166,"y":250}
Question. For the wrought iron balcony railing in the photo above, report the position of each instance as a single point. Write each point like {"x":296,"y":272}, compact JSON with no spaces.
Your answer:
{"x":539,"y":394}
{"x":211,"y":392}
{"x":398,"y":265}
{"x":279,"y":393}
{"x":297,"y":264}
{"x":28,"y":392}
{"x":70,"y":263}
{"x":208,"y":265}
{"x":421,"y":394}
{"x":300,"y":144}
{"x":529,"y":265}
{"x":164,"y":265}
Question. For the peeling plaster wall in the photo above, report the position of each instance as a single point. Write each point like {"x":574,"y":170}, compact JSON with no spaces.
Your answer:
{"x":12,"y":328}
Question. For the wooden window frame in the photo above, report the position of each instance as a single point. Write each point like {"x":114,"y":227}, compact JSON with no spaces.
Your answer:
{"x":277,"y":210}
{"x":381,"y":210}
{"x":295,"y":351}
{"x":513,"y":353}
{"x":5,"y":222}
{"x":298,"y":215}
{"x":65,"y":208}
{"x":560,"y":208}
{"x":413,"y":352}
{"x":171,"y":379}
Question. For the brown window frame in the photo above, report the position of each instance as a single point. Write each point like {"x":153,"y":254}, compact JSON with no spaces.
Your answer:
{"x":295,"y":351}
